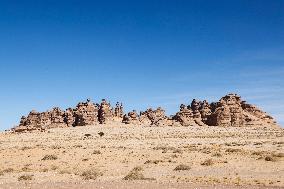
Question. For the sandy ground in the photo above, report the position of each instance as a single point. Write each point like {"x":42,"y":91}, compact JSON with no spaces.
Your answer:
{"x":211,"y":157}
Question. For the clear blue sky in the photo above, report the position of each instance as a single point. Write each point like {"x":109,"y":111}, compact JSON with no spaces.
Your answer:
{"x":143,"y":53}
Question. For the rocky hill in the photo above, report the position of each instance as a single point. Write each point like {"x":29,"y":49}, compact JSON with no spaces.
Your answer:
{"x":229,"y":111}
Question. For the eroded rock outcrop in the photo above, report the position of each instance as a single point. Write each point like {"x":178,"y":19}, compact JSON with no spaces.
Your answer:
{"x":184,"y":116}
{"x":86,"y":113}
{"x":118,"y":110}
{"x":230,"y":110}
{"x":154,"y":117}
{"x":253,"y":116}
{"x":131,"y":118}
{"x":105,"y":112}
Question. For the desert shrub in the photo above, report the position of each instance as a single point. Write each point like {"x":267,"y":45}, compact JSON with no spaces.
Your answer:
{"x":78,"y":146}
{"x":269,"y":158}
{"x":44,"y":170}
{"x":257,"y":153}
{"x":49,"y":157}
{"x":87,"y":135}
{"x":101,"y":134}
{"x":182,"y":167}
{"x":207,"y":162}
{"x":26,"y":148}
{"x":136,"y":174}
{"x":96,"y":152}
{"x":25,"y":177}
{"x":217,"y":154}
{"x":8,"y":170}
{"x":26,"y":169}
{"x":165,"y":149}
{"x":91,"y":174}
{"x":53,"y":167}
{"x":233,"y":150}
{"x":55,"y":147}
{"x":280,"y":155}
{"x":177,"y":151}
{"x":153,"y":161}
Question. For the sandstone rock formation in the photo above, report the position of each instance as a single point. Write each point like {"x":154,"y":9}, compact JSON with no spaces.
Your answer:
{"x":253,"y":116}
{"x":229,"y":111}
{"x":69,"y":117}
{"x":131,"y":118}
{"x":86,"y":113}
{"x":105,"y":112}
{"x":184,"y":116}
{"x":154,"y":117}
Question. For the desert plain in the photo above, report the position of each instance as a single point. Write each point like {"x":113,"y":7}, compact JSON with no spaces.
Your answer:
{"x":129,"y":156}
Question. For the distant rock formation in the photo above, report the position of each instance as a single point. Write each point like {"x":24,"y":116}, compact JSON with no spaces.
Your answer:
{"x":154,"y":117}
{"x":86,"y":113}
{"x":105,"y":112}
{"x":230,"y":111}
{"x":131,"y":118}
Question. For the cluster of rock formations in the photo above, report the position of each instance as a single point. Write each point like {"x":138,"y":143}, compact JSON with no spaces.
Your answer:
{"x":229,"y":111}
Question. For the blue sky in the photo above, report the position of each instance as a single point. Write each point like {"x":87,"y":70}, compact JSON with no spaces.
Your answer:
{"x":143,"y":53}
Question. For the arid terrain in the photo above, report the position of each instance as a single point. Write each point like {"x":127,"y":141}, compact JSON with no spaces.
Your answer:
{"x":128,"y":156}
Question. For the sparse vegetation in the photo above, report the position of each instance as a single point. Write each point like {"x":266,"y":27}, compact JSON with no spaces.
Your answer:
{"x":165,"y":149}
{"x":91,"y":174}
{"x":279,"y":155}
{"x":233,"y":150}
{"x":78,"y":146}
{"x":101,"y":134}
{"x":49,"y":157}
{"x":136,"y":174}
{"x":55,"y":147}
{"x":87,"y":135}
{"x":207,"y":162}
{"x":26,"y":148}
{"x":217,"y":154}
{"x":26,"y":169}
{"x":25,"y":177}
{"x":8,"y":170}
{"x":182,"y":167}
{"x":269,"y":158}
{"x":44,"y":170}
{"x":53,"y":167}
{"x":177,"y":151}
{"x":96,"y":152}
{"x":153,"y":161}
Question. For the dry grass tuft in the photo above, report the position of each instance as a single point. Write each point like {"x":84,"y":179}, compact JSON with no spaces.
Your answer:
{"x":233,"y":150}
{"x":49,"y":157}
{"x":269,"y":158}
{"x":279,"y":155}
{"x":8,"y":170}
{"x":182,"y":167}
{"x":96,"y":152}
{"x":25,"y":177}
{"x":91,"y":174}
{"x":217,"y":154}
{"x":136,"y":174}
{"x":207,"y":162}
{"x":153,"y":161}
